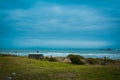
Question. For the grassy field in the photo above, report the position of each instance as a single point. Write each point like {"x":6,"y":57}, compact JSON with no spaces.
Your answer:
{"x":31,"y":69}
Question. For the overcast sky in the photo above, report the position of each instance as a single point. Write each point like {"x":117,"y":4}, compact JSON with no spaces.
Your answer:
{"x":60,"y":23}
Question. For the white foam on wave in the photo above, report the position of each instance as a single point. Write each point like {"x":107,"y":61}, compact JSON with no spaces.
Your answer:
{"x":64,"y":54}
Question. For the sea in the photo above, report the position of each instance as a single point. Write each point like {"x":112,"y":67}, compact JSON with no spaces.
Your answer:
{"x":112,"y":54}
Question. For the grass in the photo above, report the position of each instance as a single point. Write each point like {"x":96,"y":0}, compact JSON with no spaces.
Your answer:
{"x":31,"y":69}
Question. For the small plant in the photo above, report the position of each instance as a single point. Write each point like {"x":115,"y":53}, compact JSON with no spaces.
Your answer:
{"x":52,"y":59}
{"x":46,"y":58}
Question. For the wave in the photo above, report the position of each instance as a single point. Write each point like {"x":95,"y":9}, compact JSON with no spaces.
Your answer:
{"x":98,"y":54}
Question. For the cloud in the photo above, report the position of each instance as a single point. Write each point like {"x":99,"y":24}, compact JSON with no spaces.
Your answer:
{"x":95,"y":23}
{"x":14,"y":4}
{"x":58,"y":17}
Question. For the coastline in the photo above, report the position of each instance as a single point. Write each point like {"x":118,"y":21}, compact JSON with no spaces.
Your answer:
{"x":113,"y":54}
{"x":87,"y":61}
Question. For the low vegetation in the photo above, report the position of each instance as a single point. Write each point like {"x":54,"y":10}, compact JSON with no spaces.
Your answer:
{"x":32,"y":69}
{"x":76,"y":59}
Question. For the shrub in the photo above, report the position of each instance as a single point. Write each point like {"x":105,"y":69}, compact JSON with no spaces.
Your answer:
{"x":46,"y":58}
{"x":95,"y":61}
{"x":52,"y":59}
{"x":76,"y":59}
{"x":5,"y":55}
{"x":110,"y":61}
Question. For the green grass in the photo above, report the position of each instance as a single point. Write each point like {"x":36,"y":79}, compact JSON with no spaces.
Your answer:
{"x":31,"y":69}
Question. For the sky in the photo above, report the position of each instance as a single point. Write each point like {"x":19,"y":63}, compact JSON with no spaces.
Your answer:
{"x":60,"y":24}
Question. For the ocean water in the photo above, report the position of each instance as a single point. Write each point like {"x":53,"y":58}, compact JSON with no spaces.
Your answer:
{"x":113,"y":54}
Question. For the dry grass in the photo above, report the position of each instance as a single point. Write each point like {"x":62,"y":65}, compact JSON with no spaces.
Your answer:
{"x":31,"y":69}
